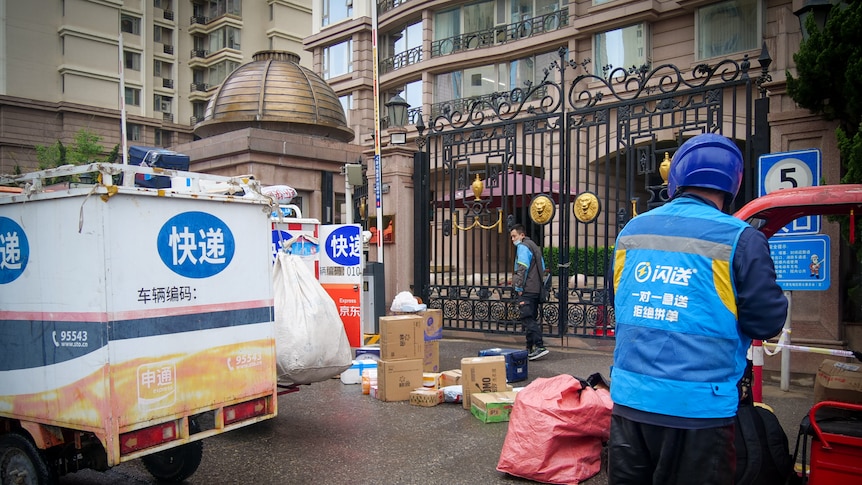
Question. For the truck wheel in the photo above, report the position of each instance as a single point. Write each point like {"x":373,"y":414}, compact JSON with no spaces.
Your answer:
{"x":175,"y":464}
{"x":21,"y":463}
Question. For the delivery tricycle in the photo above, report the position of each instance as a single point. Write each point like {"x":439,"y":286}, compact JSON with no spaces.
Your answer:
{"x":131,"y":323}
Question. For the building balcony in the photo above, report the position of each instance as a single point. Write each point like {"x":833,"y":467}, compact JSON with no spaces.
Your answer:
{"x":403,"y":59}
{"x":387,"y":5}
{"x":501,"y":34}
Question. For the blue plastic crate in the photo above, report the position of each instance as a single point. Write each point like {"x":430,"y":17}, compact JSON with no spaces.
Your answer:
{"x":516,"y":362}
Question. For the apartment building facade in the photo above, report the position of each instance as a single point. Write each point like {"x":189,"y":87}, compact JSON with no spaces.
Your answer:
{"x":68,"y":65}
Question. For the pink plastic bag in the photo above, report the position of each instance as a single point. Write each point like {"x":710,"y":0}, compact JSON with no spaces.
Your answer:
{"x":556,"y":431}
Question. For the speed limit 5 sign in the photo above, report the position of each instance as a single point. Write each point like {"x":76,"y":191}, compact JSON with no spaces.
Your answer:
{"x":787,"y":170}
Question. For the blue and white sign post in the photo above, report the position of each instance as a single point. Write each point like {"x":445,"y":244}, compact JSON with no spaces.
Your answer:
{"x":801,"y":255}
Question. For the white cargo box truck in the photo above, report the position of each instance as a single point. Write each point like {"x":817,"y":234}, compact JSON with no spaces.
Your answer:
{"x":134,"y":322}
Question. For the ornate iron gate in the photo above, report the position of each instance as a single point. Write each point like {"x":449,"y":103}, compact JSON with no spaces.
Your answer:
{"x":572,"y":162}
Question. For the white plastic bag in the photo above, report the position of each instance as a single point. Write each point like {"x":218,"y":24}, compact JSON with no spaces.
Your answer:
{"x":406,"y":302}
{"x":311,"y":344}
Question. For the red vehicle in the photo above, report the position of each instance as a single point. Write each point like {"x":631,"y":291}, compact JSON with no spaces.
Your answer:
{"x":836,"y":452}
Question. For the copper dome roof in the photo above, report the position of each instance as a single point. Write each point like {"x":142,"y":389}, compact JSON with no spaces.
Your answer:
{"x":274,"y":92}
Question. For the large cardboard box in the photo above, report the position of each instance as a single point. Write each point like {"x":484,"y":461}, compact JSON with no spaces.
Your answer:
{"x":397,"y":378}
{"x":433,"y":324}
{"x":492,"y":407}
{"x":401,"y":337}
{"x":432,"y":356}
{"x":482,"y":374}
{"x":838,"y":381}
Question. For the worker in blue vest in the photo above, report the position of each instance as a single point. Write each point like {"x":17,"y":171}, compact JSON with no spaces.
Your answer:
{"x":692,"y":287}
{"x":527,"y":281}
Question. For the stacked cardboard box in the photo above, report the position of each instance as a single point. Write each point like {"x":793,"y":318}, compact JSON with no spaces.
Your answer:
{"x":402,"y":348}
{"x":838,"y":381}
{"x":492,"y":407}
{"x":482,"y":374}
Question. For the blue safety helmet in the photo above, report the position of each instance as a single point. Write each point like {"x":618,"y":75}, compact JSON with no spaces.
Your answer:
{"x":710,"y":161}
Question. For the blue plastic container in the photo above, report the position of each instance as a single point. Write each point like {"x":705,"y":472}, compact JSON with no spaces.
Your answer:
{"x":516,"y":362}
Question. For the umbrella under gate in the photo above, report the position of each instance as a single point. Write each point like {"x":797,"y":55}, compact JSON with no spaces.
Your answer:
{"x":519,"y":187}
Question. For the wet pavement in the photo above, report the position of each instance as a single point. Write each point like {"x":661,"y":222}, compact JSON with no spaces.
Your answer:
{"x":330,"y":433}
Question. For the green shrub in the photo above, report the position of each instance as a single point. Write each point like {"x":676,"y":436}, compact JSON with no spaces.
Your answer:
{"x":590,"y":261}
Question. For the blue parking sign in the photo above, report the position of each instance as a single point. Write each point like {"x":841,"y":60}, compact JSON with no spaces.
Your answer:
{"x":786,"y":170}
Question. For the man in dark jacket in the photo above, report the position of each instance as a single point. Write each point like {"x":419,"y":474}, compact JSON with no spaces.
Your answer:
{"x":529,"y":268}
{"x":692,"y":287}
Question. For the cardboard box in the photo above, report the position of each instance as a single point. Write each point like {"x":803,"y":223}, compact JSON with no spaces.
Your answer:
{"x":433,"y":324}
{"x":516,"y":362}
{"x":838,"y":381}
{"x":450,"y":378}
{"x":482,"y":374}
{"x":431,"y":380}
{"x":401,"y":337}
{"x":397,"y":378}
{"x":492,"y":407}
{"x":431,"y":362}
{"x":426,"y":397}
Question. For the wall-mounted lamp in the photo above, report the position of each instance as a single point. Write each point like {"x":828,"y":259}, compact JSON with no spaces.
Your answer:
{"x":396,"y":108}
{"x":819,"y":9}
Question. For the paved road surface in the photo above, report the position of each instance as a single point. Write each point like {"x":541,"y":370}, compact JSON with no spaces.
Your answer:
{"x":330,"y":433}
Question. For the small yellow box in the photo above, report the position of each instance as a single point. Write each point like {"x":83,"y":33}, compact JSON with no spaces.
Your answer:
{"x":426,"y":397}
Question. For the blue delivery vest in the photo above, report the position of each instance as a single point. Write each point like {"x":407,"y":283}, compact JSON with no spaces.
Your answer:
{"x":679,"y":349}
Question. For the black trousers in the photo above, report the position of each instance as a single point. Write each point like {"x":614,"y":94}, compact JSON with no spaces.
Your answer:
{"x":646,"y":454}
{"x":528,"y":305}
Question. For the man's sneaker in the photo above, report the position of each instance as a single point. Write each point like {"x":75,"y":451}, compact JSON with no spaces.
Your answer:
{"x":538,"y":353}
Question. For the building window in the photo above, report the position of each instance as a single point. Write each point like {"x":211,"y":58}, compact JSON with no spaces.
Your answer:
{"x":335,"y":11}
{"x":162,"y":68}
{"x":132,"y":60}
{"x":412,"y":93}
{"x":625,"y":47}
{"x":218,"y":72}
{"x":163,"y":35}
{"x":163,"y":138}
{"x":216,"y":8}
{"x":337,"y":59}
{"x":224,"y":38}
{"x":130,"y":25}
{"x":346,"y":105}
{"x":480,"y":81}
{"x":162,"y":103}
{"x":133,"y":132}
{"x":133,"y":96}
{"x":728,"y":27}
{"x":410,"y":37}
{"x":488,"y":14}
{"x":199,"y":110}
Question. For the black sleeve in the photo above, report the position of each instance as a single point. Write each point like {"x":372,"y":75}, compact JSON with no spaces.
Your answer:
{"x":761,"y":305}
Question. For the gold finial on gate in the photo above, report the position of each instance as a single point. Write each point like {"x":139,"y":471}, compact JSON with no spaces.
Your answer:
{"x":664,"y":168}
{"x":478,"y":187}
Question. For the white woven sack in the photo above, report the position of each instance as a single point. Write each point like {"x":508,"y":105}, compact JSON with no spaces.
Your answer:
{"x":311,"y":344}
